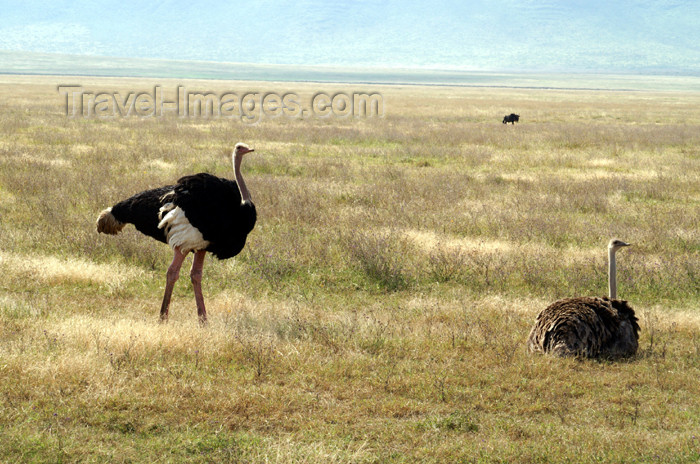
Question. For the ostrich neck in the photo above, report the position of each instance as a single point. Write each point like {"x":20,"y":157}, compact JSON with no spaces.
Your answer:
{"x":245,"y":195}
{"x":612,"y":277}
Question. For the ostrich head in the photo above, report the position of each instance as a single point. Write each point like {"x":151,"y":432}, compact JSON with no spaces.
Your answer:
{"x":615,"y":244}
{"x":241,"y":149}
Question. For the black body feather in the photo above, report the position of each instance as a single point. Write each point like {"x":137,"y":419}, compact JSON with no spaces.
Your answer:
{"x":211,"y":204}
{"x":141,"y":210}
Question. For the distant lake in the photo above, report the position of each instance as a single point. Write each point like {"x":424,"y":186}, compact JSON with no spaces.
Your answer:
{"x":75,"y":65}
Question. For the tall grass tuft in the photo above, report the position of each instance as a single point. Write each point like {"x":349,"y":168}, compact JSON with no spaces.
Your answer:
{"x":381,"y":257}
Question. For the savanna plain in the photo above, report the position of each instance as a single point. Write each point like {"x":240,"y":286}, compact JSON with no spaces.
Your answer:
{"x":380,"y":309}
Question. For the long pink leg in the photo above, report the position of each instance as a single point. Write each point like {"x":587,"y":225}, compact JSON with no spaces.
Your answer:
{"x":171,"y":277}
{"x":196,"y":276}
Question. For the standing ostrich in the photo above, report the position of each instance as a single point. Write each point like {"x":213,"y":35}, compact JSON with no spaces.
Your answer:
{"x":588,"y":326}
{"x":200,"y":213}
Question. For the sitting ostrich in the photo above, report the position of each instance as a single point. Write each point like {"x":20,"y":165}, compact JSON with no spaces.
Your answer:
{"x":200,"y":213}
{"x":588,"y":326}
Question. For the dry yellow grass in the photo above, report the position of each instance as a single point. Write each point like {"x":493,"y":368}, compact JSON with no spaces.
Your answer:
{"x":52,"y":270}
{"x":380,"y":309}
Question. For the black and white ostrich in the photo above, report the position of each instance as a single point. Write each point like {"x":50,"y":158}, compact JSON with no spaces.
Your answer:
{"x":200,"y":213}
{"x":588,"y":326}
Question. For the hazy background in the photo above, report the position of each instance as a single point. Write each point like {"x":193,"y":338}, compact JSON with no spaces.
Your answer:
{"x":627,"y":36}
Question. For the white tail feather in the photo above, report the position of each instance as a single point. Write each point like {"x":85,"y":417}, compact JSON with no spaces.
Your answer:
{"x":108,"y":224}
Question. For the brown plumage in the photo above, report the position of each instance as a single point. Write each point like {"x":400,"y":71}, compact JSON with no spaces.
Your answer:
{"x":588,"y":326}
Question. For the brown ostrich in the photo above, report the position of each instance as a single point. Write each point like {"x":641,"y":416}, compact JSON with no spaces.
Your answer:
{"x":589,"y":327}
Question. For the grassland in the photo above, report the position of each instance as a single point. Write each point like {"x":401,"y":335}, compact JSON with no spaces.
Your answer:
{"x":380,"y":309}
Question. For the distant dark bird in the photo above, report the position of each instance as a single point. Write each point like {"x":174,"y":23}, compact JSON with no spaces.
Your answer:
{"x":200,"y":213}
{"x":511,"y":118}
{"x":588,"y":326}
